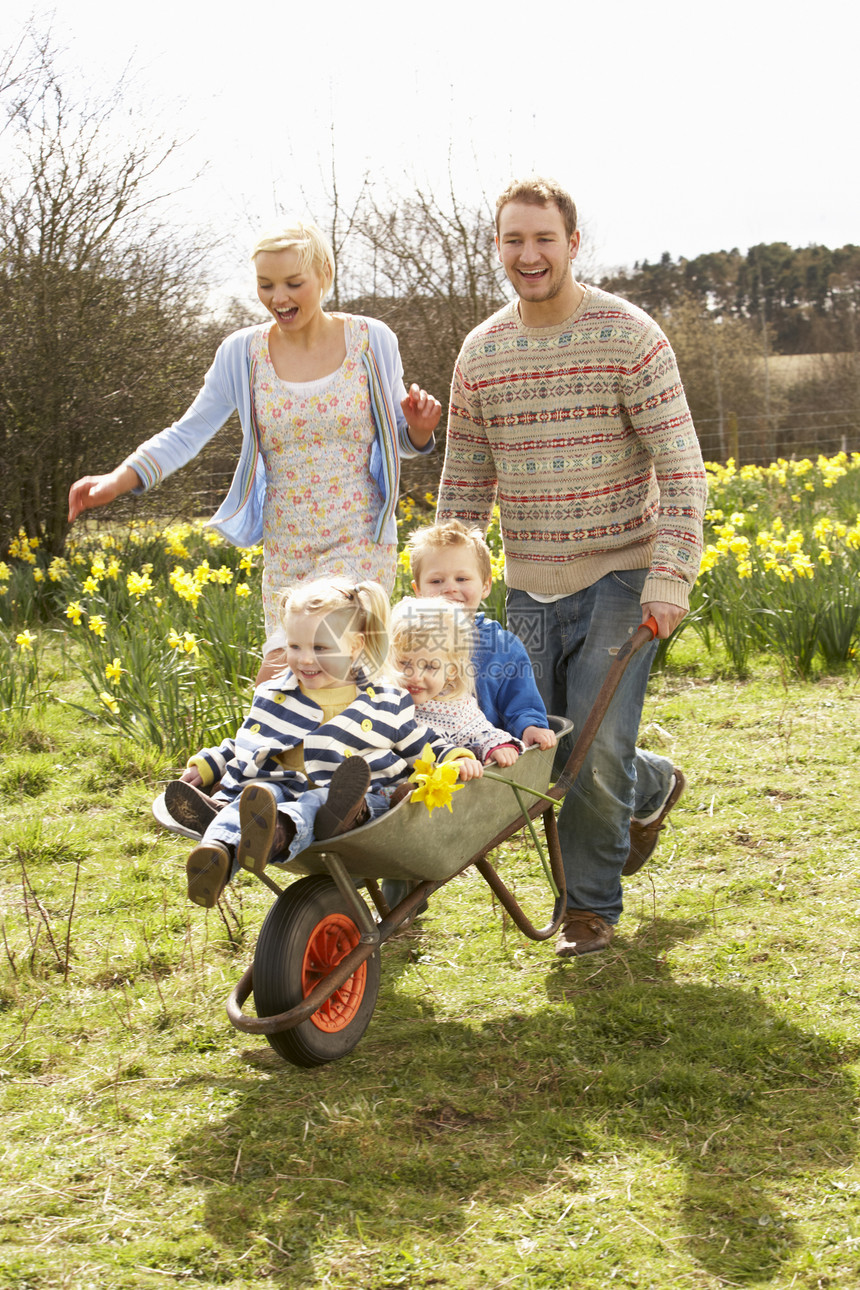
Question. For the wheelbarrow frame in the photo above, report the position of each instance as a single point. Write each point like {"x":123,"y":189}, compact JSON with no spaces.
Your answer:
{"x":374,"y":934}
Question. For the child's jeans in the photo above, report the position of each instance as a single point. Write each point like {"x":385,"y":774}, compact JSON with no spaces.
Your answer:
{"x":301,"y":809}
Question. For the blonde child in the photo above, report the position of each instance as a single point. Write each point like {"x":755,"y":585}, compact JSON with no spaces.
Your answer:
{"x":452,"y":561}
{"x":322,"y":748}
{"x":431,"y":657}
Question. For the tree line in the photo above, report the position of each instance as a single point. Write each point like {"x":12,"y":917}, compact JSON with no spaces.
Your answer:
{"x":104,"y":339}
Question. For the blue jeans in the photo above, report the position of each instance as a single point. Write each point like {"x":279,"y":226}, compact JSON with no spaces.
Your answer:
{"x":301,"y":808}
{"x":572,"y":644}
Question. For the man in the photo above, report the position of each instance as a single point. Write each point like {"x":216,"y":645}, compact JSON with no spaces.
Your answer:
{"x":568,"y":404}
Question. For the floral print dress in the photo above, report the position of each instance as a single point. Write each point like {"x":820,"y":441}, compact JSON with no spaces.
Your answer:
{"x":321,"y":500}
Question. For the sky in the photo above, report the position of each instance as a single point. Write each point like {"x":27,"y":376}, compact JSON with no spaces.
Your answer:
{"x":678,"y":128}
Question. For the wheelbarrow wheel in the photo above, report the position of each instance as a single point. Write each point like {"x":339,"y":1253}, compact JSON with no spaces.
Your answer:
{"x":306,"y":933}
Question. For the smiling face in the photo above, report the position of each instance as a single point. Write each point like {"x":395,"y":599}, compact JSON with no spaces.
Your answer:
{"x":536,"y":253}
{"x":319,"y":652}
{"x":292,"y":295}
{"x":452,"y":572}
{"x":423,"y":672}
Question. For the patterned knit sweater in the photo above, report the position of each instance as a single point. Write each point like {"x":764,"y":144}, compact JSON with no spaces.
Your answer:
{"x":461,"y":722}
{"x":584,"y":431}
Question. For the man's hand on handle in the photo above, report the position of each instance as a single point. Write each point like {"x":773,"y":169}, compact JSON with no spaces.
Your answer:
{"x":665,"y":615}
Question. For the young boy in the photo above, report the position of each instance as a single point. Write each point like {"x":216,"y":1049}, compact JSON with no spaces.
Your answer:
{"x":452,"y":561}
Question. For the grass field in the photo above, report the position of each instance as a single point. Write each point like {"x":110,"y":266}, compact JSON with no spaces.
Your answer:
{"x":679,"y":1111}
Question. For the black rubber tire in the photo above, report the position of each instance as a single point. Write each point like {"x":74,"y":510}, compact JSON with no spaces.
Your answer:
{"x":312,"y":913}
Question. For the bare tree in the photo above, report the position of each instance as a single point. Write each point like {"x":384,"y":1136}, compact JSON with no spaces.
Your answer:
{"x":99,"y":343}
{"x":432,"y":274}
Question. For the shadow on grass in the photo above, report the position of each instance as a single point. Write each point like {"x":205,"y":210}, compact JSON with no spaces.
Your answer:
{"x":389,"y":1147}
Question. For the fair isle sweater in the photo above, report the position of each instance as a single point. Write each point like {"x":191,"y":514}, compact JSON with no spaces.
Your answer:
{"x":584,"y":433}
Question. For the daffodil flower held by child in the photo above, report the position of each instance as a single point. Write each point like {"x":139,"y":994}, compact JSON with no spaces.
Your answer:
{"x":322,"y":749}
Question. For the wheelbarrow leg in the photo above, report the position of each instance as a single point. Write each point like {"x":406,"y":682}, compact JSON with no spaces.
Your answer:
{"x":509,"y":902}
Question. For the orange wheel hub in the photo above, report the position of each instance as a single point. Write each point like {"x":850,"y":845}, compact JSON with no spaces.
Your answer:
{"x":330,"y":941}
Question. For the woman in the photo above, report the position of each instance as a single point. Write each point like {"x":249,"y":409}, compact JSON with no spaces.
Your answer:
{"x":325,"y":418}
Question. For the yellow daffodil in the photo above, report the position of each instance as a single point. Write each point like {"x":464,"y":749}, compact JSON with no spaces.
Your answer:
{"x":436,"y":782}
{"x":113,"y":672}
{"x":74,"y":611}
{"x":138,"y":584}
{"x":109,"y":701}
{"x":242,"y":589}
{"x":98,"y":625}
{"x":24,"y":641}
{"x":187,"y":641}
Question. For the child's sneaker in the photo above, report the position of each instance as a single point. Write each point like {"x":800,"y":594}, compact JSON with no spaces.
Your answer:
{"x":208,"y":870}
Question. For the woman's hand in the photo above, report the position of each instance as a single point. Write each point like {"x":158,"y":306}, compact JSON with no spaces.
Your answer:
{"x":98,"y":490}
{"x":422,"y":413}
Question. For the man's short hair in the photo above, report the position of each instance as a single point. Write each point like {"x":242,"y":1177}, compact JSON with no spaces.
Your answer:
{"x":435,"y":537}
{"x":538,"y":191}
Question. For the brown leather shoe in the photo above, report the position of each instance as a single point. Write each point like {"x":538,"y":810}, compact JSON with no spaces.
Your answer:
{"x":189,"y":807}
{"x":582,"y":933}
{"x":207,"y":870}
{"x":265,"y":833}
{"x":344,"y":807}
{"x":644,"y":837}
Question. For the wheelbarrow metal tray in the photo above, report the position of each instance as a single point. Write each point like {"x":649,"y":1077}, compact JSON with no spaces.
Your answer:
{"x":408,"y":842}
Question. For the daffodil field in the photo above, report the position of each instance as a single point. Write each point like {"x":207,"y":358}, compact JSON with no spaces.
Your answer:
{"x":164,"y":625}
{"x":781,"y":568}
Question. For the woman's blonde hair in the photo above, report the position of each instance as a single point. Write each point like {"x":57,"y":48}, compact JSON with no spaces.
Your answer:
{"x":308,"y":241}
{"x":439,"y":625}
{"x":355,"y":607}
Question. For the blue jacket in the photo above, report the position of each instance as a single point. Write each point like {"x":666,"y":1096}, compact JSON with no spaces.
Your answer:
{"x":379,"y":725}
{"x":504,"y":680}
{"x":227,"y":388}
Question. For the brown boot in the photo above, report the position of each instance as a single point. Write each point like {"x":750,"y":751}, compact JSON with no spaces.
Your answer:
{"x":344,"y":807}
{"x":208,"y":869}
{"x":644,"y":837}
{"x":189,"y":807}
{"x":582,"y":932}
{"x":265,"y":832}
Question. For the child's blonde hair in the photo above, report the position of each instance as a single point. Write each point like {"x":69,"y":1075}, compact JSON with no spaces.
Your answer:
{"x":355,"y":607}
{"x":441,"y":626}
{"x":435,"y":537}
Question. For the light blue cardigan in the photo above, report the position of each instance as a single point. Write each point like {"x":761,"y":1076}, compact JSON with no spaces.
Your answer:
{"x":227,"y":388}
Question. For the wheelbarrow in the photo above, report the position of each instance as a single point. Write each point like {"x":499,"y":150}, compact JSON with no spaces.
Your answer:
{"x":316,"y":969}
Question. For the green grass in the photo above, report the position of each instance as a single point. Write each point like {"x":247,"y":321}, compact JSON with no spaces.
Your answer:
{"x":678,"y":1111}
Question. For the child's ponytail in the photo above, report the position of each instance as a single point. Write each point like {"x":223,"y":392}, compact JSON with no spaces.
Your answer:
{"x":376,"y":610}
{"x":359,"y":607}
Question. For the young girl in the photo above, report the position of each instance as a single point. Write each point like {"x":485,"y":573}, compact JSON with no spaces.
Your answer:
{"x":431,"y":657}
{"x":431,"y":653}
{"x":321,"y":749}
